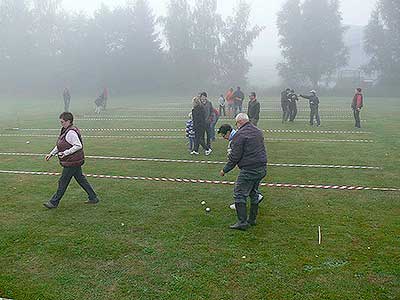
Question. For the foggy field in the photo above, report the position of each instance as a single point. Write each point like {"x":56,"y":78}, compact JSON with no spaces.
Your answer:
{"x":154,"y":240}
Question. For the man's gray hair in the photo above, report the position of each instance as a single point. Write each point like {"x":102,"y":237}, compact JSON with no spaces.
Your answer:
{"x":242,"y":117}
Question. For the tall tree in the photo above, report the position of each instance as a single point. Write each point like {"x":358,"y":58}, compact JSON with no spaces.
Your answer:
{"x":206,"y":41}
{"x":382,"y":41}
{"x":143,"y":52}
{"x":178,"y":30}
{"x":311,"y":39}
{"x":238,"y":38}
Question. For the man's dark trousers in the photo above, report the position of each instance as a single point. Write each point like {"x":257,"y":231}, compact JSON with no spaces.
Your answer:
{"x":209,"y":135}
{"x":247,"y":184}
{"x":356,"y":114}
{"x":292,"y":111}
{"x":63,"y":182}
{"x":66,"y":104}
{"x":314,"y":113}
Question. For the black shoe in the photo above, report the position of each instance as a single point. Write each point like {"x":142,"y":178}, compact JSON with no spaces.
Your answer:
{"x":49,"y":205}
{"x":94,"y":201}
{"x":240,"y":226}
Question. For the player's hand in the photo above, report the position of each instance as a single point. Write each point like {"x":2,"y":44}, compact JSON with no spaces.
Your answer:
{"x":61,"y":154}
{"x":48,"y":157}
{"x":222,"y":173}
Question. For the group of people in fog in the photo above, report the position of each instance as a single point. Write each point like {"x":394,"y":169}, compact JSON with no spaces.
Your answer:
{"x":100,"y":102}
{"x":200,"y":128}
{"x":289,"y":101}
{"x":246,"y":146}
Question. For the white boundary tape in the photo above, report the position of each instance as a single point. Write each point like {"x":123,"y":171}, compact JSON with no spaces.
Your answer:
{"x":182,"y":130}
{"x":183,"y":137}
{"x":215,"y":182}
{"x":201,"y":161}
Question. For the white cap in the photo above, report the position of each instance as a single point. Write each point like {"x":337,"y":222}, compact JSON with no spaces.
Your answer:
{"x":313,"y":92}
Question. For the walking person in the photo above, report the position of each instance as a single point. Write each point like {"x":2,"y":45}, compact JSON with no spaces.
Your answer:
{"x":238,"y":97}
{"x":292,"y":98}
{"x":285,"y":105}
{"x":69,"y":150}
{"x":221,"y":102}
{"x":253,"y":110}
{"x":250,"y":155}
{"x":314,"y":105}
{"x":67,"y":99}
{"x":356,"y":105}
{"x":199,"y":126}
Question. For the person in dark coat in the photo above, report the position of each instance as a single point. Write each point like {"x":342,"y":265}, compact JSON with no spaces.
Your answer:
{"x":250,"y":155}
{"x":285,"y":105}
{"x":238,"y":97}
{"x":314,"y":105}
{"x":69,"y":150}
{"x":356,"y":105}
{"x":292,"y":98}
{"x":199,"y":125}
{"x":253,"y":110}
{"x":209,"y":115}
{"x":67,"y":99}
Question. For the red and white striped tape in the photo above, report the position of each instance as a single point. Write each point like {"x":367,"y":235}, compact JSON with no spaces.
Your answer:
{"x":215,"y":182}
{"x":182,"y":129}
{"x":183,"y":137}
{"x":166,"y":160}
{"x":183,"y":115}
{"x":171,"y":119}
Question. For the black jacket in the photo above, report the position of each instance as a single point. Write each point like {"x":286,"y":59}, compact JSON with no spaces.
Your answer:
{"x":248,"y":149}
{"x":253,"y":110}
{"x":199,"y":117}
{"x":208,"y":110}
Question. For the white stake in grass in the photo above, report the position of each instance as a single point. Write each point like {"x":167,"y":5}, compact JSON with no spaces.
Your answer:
{"x":319,"y":235}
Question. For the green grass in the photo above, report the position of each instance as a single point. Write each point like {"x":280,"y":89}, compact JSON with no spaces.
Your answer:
{"x":153,"y":240}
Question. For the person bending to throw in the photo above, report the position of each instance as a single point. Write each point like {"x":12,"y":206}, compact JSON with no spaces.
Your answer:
{"x":250,"y":155}
{"x":69,"y":150}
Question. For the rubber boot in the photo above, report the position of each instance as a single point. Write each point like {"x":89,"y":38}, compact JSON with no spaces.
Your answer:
{"x":241,"y":212}
{"x":253,"y":214}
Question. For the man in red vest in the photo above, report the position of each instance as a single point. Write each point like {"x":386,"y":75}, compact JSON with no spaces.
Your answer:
{"x":69,"y":150}
{"x":356,"y":105}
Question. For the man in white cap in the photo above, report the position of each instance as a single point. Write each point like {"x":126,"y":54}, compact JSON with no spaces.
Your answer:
{"x":314,"y":104}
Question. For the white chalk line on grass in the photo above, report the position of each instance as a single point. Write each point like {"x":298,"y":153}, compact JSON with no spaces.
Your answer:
{"x":160,"y":137}
{"x":166,"y":160}
{"x":182,"y":130}
{"x":214,"y":182}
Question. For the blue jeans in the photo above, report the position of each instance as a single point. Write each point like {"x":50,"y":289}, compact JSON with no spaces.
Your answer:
{"x":191,"y":143}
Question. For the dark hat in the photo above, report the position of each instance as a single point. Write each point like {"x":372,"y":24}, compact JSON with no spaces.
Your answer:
{"x":253,"y":94}
{"x":203,"y":94}
{"x":224,"y":129}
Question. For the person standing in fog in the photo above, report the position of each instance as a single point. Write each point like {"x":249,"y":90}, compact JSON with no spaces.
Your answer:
{"x":67,"y":99}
